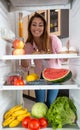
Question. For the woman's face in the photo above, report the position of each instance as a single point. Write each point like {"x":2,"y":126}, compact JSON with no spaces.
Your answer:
{"x":37,"y":27}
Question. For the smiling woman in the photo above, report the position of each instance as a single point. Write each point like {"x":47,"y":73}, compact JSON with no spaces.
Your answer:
{"x":54,"y":17}
{"x":39,"y":39}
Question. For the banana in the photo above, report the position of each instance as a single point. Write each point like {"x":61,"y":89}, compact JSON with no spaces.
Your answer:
{"x":14,"y":123}
{"x":7,"y":121}
{"x":14,"y":116}
{"x":19,"y":112}
{"x":7,"y":115}
{"x":15,"y":108}
{"x":21,"y":117}
{"x":12,"y":110}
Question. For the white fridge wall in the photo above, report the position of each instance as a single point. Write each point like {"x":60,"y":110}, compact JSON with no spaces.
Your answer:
{"x":74,"y":23}
{"x":74,"y":31}
{"x":7,"y":98}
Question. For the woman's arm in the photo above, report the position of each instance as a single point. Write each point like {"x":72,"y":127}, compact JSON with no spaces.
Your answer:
{"x":57,"y":46}
{"x":28,"y":50}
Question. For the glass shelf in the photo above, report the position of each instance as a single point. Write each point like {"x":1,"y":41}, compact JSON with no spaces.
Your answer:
{"x":38,"y":56}
{"x":18,"y":128}
{"x":66,"y":85}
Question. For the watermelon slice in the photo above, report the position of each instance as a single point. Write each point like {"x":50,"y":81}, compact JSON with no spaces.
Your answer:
{"x":56,"y":75}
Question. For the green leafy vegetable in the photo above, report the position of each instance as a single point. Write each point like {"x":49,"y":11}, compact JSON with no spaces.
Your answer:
{"x":61,"y":112}
{"x":39,"y":110}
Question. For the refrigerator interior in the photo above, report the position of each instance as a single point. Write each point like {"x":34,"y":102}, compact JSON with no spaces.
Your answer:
{"x":8,"y":25}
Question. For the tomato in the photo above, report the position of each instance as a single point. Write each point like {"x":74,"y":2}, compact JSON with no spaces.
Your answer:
{"x":43,"y":122}
{"x":34,"y":124}
{"x":25,"y":121}
{"x":18,"y":82}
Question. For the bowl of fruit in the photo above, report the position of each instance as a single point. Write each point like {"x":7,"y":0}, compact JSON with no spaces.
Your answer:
{"x":14,"y":79}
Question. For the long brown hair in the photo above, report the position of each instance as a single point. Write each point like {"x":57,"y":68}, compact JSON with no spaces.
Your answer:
{"x":44,"y":37}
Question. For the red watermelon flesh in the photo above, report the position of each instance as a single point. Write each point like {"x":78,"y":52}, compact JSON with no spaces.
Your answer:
{"x":56,"y":75}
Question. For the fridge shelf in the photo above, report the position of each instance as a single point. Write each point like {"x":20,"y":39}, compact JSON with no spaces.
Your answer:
{"x":38,"y":56}
{"x":66,"y":85}
{"x":44,"y":129}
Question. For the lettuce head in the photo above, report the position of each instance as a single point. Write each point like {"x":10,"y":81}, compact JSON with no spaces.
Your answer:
{"x":61,"y":112}
{"x":39,"y":110}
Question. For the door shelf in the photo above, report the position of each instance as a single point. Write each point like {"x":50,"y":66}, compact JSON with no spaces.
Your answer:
{"x":38,"y":56}
{"x":8,"y":39}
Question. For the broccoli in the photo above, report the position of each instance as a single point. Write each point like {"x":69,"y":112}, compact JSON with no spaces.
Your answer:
{"x":61,"y":112}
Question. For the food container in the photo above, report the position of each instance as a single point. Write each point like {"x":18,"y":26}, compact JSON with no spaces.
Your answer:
{"x":11,"y":77}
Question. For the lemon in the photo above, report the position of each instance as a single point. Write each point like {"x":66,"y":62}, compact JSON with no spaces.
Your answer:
{"x":32,"y":77}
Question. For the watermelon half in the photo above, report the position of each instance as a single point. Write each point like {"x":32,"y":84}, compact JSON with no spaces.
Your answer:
{"x":56,"y":75}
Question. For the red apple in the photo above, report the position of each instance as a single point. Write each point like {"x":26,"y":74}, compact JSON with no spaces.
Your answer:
{"x":18,"y":52}
{"x":18,"y":44}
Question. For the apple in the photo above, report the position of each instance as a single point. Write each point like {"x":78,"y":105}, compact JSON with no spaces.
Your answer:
{"x":18,"y":52}
{"x":18,"y":44}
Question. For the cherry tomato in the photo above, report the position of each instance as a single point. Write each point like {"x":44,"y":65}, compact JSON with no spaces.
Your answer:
{"x":18,"y":82}
{"x":34,"y":124}
{"x":25,"y":121}
{"x":43,"y":122}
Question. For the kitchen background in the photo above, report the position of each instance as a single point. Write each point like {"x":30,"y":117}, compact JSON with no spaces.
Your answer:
{"x":8,"y":20}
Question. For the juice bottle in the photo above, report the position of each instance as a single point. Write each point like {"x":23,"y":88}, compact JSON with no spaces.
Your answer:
{"x":20,"y":24}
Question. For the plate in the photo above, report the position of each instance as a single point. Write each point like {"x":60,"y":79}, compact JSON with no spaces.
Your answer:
{"x":40,"y":82}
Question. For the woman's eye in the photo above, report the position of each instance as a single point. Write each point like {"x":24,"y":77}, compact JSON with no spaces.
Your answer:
{"x":34,"y":25}
{"x":38,"y":25}
{"x":41,"y":25}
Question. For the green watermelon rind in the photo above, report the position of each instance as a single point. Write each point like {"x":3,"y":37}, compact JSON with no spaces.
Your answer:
{"x":65,"y":78}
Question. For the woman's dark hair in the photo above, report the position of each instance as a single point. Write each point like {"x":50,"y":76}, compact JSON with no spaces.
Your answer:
{"x":45,"y":37}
